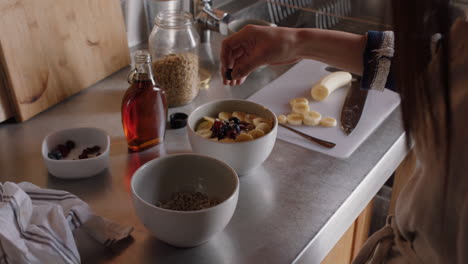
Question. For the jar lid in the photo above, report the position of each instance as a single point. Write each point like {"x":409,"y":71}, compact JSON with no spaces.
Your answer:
{"x":178,"y":120}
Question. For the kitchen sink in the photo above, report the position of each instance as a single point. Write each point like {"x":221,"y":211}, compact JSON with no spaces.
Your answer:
{"x":356,"y":16}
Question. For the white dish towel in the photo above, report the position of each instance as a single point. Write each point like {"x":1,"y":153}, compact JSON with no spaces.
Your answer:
{"x":37,"y":225}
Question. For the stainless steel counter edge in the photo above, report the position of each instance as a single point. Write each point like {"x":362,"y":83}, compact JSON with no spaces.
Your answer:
{"x":329,"y":235}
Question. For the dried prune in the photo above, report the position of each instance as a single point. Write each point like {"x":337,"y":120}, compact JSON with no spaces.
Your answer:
{"x":70,"y":144}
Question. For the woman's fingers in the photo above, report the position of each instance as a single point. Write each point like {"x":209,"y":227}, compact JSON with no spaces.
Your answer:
{"x":230,"y":44}
{"x":245,"y":64}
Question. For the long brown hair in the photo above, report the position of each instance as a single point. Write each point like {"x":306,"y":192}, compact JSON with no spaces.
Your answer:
{"x":424,"y":80}
{"x":416,"y":22}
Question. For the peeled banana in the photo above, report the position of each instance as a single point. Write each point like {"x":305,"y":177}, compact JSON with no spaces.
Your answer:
{"x":294,"y":101}
{"x":256,"y":133}
{"x":263,"y":127}
{"x":312,"y":118}
{"x":205,"y":125}
{"x":224,"y":116}
{"x":239,"y":115}
{"x":205,"y":133}
{"x":328,"y":122}
{"x":226,"y":140}
{"x":300,"y":108}
{"x":243,"y":137}
{"x":282,"y":119}
{"x":330,"y":83}
{"x":259,"y":120}
{"x":295,"y":119}
{"x":249,"y":118}
{"x":209,"y":118}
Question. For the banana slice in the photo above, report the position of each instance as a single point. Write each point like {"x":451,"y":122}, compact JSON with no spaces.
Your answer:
{"x":312,"y":118}
{"x":240,"y":115}
{"x":295,"y":119}
{"x":300,"y":108}
{"x":264,"y":127}
{"x":209,"y":118}
{"x":328,"y":122}
{"x":256,"y":133}
{"x":330,"y":83}
{"x":214,"y":139}
{"x":259,"y":120}
{"x":282,"y":119}
{"x":249,"y":118}
{"x":204,"y":125}
{"x":243,"y":137}
{"x":205,"y":133}
{"x":224,"y":116}
{"x":226,"y":140}
{"x":294,"y":101}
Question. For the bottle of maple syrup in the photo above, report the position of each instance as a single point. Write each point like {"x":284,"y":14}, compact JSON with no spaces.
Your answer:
{"x":144,"y":108}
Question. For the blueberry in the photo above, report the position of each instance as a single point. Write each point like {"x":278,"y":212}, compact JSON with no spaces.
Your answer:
{"x":229,"y":74}
{"x":51,"y":156}
{"x":55,"y":154}
{"x":237,"y":128}
{"x":235,"y":120}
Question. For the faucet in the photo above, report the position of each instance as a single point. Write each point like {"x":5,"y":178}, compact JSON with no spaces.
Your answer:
{"x":209,"y":19}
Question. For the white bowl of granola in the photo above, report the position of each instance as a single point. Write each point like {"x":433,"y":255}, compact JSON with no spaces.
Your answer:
{"x":185,"y":199}
{"x":212,"y":130}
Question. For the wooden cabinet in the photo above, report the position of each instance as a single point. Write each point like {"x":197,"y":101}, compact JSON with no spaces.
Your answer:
{"x":352,"y":240}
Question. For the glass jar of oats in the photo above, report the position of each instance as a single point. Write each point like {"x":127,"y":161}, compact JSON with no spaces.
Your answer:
{"x":173,"y":44}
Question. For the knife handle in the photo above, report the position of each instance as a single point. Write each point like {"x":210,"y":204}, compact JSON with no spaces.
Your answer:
{"x":321,"y":142}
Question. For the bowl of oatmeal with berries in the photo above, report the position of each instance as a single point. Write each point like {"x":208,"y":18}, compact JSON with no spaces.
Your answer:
{"x":238,"y":132}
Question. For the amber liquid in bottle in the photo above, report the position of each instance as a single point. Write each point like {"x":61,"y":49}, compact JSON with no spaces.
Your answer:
{"x":144,"y":109}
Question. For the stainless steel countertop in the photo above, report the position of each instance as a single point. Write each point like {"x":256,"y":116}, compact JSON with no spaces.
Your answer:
{"x":294,"y":207}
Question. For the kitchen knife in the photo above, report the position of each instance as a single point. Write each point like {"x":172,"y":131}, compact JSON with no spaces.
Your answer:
{"x":353,"y":107}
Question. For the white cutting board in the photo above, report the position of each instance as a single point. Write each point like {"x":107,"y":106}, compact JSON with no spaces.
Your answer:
{"x":297,"y":82}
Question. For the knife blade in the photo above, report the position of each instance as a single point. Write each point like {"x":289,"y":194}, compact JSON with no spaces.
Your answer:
{"x":353,"y":107}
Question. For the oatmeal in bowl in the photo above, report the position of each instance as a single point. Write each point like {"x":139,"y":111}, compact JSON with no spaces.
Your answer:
{"x":233,"y":127}
{"x":239,"y":132}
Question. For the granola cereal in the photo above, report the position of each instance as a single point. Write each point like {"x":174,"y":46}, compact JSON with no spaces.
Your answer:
{"x":188,"y":201}
{"x":178,"y":75}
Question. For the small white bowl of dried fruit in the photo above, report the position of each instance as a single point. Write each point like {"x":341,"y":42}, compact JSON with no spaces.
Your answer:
{"x":76,"y":152}
{"x":238,"y":132}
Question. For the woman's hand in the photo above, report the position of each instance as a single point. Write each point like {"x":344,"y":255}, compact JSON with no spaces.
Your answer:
{"x":254,"y":46}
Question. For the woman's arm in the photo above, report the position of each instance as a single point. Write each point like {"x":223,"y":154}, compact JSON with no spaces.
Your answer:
{"x":255,"y":46}
{"x":340,"y":49}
